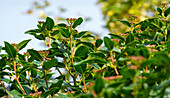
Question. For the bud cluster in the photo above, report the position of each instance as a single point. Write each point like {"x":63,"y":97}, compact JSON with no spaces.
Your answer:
{"x":132,"y":18}
{"x":70,"y":21}
{"x":43,"y":53}
{"x":163,"y":6}
{"x":40,"y":22}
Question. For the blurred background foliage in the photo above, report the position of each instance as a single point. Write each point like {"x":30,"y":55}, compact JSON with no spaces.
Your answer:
{"x":111,"y":9}
{"x":120,"y":9}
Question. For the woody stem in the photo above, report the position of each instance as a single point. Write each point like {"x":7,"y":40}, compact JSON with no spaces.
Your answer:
{"x":16,"y":77}
{"x":111,"y":55}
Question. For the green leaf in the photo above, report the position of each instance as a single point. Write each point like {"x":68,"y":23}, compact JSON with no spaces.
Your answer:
{"x":98,"y":55}
{"x":22,"y":44}
{"x":88,"y":44}
{"x":0,"y":48}
{"x":115,"y":49}
{"x":27,"y":89}
{"x":15,"y":94}
{"x":117,"y":36}
{"x":2,"y":63}
{"x":33,"y":31}
{"x":108,"y":43}
{"x":80,"y":68}
{"x":98,"y":42}
{"x":123,"y":22}
{"x":82,"y":52}
{"x":129,"y":38}
{"x":34,"y":54}
{"x":50,"y":63}
{"x":80,"y":34}
{"x":77,"y":22}
{"x":63,"y":95}
{"x":167,"y":12}
{"x":99,"y":85}
{"x":33,"y":72}
{"x":6,"y":80}
{"x":160,"y":11}
{"x":55,"y":33}
{"x":45,"y":94}
{"x":10,"y":50}
{"x":49,"y":23}
{"x":65,"y":32}
{"x":23,"y":78}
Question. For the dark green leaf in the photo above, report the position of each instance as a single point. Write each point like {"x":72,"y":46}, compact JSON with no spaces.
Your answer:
{"x":10,"y":50}
{"x":33,"y":72}
{"x":82,"y":52}
{"x":64,"y":32}
{"x":45,"y":94}
{"x":167,"y":12}
{"x":80,"y":34}
{"x":77,"y":22}
{"x":27,"y":90}
{"x":0,"y":48}
{"x":129,"y":38}
{"x":55,"y":33}
{"x":34,"y":54}
{"x":160,"y":11}
{"x":50,"y":63}
{"x":49,"y":23}
{"x":33,"y":31}
{"x":108,"y":43}
{"x":15,"y":94}
{"x":117,"y":36}
{"x":98,"y":42}
{"x":6,"y":80}
{"x":22,"y":44}
{"x":98,"y":55}
{"x":99,"y":85}
{"x":2,"y":63}
{"x":80,"y":68}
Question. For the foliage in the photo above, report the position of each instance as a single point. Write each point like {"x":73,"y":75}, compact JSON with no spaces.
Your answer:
{"x":131,"y":64}
{"x":120,"y":9}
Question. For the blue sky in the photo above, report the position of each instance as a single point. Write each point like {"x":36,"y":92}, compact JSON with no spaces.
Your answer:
{"x":13,"y":21}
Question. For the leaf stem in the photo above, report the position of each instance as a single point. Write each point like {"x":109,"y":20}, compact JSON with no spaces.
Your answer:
{"x":84,"y":83}
{"x":59,"y":71}
{"x":45,"y":74}
{"x":16,"y":77}
{"x":2,"y":83}
{"x":111,"y":53}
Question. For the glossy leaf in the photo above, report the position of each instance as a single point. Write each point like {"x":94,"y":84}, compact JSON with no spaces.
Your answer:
{"x":99,"y":85}
{"x":34,"y":54}
{"x":98,"y":55}
{"x":108,"y":43}
{"x":10,"y":50}
{"x":33,"y":31}
{"x":22,"y":44}
{"x":129,"y":38}
{"x":64,"y":32}
{"x":117,"y":36}
{"x":49,"y":23}
{"x":80,"y":34}
{"x":98,"y":42}
{"x":160,"y":11}
{"x":33,"y":72}
{"x":167,"y":12}
{"x":50,"y":63}
{"x":77,"y":22}
{"x":48,"y":92}
{"x":82,"y":51}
